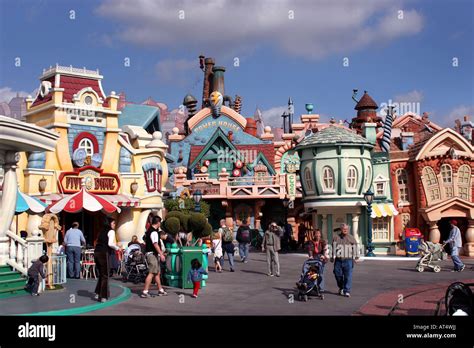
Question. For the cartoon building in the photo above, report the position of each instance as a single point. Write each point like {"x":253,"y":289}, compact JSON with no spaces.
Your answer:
{"x":123,"y":164}
{"x":431,"y":170}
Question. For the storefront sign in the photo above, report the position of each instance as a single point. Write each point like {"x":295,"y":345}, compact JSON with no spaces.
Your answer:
{"x":291,"y":185}
{"x":95,"y":181}
{"x":206,"y":189}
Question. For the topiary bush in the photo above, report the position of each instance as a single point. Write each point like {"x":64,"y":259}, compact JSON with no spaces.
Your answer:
{"x":173,"y":205}
{"x":196,"y":223}
{"x":172,"y":225}
{"x":181,"y":216}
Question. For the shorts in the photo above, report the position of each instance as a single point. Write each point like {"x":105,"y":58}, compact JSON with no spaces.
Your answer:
{"x":153,"y":265}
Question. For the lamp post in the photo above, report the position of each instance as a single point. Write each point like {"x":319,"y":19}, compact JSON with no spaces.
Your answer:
{"x":369,"y":198}
{"x":197,"y":196}
{"x":286,"y":237}
{"x":284,"y":116}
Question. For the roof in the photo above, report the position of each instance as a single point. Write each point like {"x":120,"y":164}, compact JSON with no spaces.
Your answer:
{"x":333,"y":135}
{"x":138,"y":115}
{"x":366,"y":102}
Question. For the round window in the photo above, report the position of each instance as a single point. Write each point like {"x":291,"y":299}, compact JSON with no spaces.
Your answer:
{"x":88,"y":100}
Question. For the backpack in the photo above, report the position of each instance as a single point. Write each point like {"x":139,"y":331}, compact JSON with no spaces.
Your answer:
{"x":245,"y":235}
{"x":228,"y":235}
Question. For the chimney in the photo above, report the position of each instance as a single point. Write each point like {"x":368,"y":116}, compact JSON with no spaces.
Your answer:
{"x":467,"y":128}
{"x":207,"y":85}
{"x":369,"y":131}
{"x":407,"y":139}
{"x":218,"y":79}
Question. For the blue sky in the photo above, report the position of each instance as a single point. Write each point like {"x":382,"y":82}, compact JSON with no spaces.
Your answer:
{"x":397,"y":50}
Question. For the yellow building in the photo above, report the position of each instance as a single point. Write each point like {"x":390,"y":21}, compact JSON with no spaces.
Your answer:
{"x":124,"y":164}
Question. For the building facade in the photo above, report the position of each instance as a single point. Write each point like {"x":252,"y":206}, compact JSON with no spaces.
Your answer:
{"x":125,"y":165}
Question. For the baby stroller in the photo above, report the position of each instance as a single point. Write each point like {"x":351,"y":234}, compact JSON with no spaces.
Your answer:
{"x":431,"y":255}
{"x":308,"y":283}
{"x":134,"y":267}
{"x":459,"y":299}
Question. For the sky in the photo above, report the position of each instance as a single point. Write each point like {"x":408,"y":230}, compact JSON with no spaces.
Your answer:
{"x":419,"y":53}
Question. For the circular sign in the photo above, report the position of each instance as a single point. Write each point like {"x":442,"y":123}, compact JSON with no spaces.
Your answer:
{"x":207,"y":163}
{"x":203,"y":169}
{"x":239,"y":164}
{"x":89,"y":182}
{"x":236,"y":172}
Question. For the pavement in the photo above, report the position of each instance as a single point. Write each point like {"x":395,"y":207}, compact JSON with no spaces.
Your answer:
{"x":377,"y":286}
{"x":76,"y":297}
{"x":382,"y":287}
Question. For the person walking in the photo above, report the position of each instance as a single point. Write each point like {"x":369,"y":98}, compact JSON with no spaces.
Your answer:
{"x":195,"y":276}
{"x":104,"y":246}
{"x":73,"y":240}
{"x":243,"y":237}
{"x":319,"y":250}
{"x":301,"y":235}
{"x":455,"y":242}
{"x":227,"y":244}
{"x":271,"y":243}
{"x":344,"y":251}
{"x":154,"y":254}
{"x":217,"y":251}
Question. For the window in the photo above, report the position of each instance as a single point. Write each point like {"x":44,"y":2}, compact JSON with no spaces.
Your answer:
{"x":308,"y":179}
{"x":405,"y":221}
{"x":328,"y":179}
{"x":446,"y":174}
{"x":402,"y":180}
{"x":380,"y":229}
{"x":351,"y":179}
{"x":153,"y":175}
{"x":464,"y":182}
{"x":449,"y":191}
{"x":380,"y":189}
{"x":368,"y":178}
{"x":88,"y":100}
{"x":432,"y":184}
{"x":150,"y":179}
{"x":87,"y":145}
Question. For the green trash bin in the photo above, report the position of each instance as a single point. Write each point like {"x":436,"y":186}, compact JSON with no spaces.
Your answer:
{"x":173,"y":266}
{"x":187,"y":255}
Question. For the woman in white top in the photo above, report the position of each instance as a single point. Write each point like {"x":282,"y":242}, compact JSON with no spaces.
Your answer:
{"x":217,"y":250}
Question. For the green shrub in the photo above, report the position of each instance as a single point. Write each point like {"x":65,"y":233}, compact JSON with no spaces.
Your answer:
{"x":173,"y":205}
{"x":181,"y":216}
{"x":172,"y":225}
{"x":196,"y":223}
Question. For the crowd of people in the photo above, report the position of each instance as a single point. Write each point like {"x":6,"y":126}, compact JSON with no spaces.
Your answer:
{"x":343,"y":252}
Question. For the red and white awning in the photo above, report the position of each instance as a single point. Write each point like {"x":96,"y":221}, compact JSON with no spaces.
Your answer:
{"x":119,"y":200}
{"x":83,"y":200}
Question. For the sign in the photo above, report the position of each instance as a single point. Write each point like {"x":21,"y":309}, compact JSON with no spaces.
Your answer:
{"x":95,"y":181}
{"x":207,"y":189}
{"x":291,"y":185}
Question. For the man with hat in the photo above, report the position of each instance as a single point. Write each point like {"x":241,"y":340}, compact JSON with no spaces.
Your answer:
{"x":455,"y":242}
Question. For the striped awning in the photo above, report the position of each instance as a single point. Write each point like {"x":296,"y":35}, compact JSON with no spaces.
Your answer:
{"x":383,"y":210}
{"x":119,"y":200}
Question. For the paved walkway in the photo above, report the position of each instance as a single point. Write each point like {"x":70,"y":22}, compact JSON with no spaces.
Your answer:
{"x":249,"y":291}
{"x":75,"y":298}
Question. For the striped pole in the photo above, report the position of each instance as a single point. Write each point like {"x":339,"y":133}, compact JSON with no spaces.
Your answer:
{"x":387,"y":130}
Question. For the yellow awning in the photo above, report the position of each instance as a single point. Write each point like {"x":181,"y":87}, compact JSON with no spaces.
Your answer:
{"x":382,"y":210}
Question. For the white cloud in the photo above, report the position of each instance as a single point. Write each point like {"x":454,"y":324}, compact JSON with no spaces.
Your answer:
{"x":6,"y":94}
{"x":458,"y":113}
{"x":227,"y":27}
{"x":272,"y":117}
{"x":414,"y":96}
{"x":175,"y":71}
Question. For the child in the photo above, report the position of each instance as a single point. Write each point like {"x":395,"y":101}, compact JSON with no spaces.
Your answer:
{"x":34,"y":272}
{"x":195,"y":275}
{"x":309,"y":278}
{"x":217,"y":250}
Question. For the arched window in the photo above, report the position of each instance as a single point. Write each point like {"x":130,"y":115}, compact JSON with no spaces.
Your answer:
{"x":431,"y":183}
{"x":402,"y":180}
{"x":464,"y":181}
{"x":351,"y":179}
{"x":328,"y":179}
{"x":308,"y":179}
{"x":368,"y":177}
{"x":87,"y":145}
{"x":446,"y":174}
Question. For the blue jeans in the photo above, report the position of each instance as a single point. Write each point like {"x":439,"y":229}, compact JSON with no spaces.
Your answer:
{"x":321,"y":277}
{"x":343,"y":273}
{"x":456,"y":260}
{"x":229,"y":249}
{"x":244,"y":250}
{"x":73,"y":254}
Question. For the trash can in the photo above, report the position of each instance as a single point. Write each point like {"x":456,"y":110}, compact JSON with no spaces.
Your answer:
{"x":412,"y":241}
{"x":187,"y":255}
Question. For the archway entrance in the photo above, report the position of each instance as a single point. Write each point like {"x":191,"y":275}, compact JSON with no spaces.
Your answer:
{"x":444,"y":227}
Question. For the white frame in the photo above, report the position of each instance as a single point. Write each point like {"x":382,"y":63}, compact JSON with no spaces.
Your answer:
{"x":328,"y":170}
{"x":464,"y":186}
{"x":90,"y":146}
{"x":375,"y":232}
{"x":308,"y":180}
{"x":402,"y":173}
{"x":350,"y":178}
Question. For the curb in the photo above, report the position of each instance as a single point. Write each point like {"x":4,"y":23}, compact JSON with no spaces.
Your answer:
{"x":125,"y":295}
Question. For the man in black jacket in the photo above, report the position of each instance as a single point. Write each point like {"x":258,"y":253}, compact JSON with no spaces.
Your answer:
{"x":34,"y":272}
{"x":243,"y":237}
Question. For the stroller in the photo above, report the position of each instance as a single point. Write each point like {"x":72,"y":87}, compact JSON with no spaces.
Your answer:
{"x":134,"y":267}
{"x":459,"y":299}
{"x":431,"y":254}
{"x":308,"y":282}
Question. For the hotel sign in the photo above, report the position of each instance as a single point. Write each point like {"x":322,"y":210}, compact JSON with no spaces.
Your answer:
{"x":291,"y":185}
{"x":94,"y":179}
